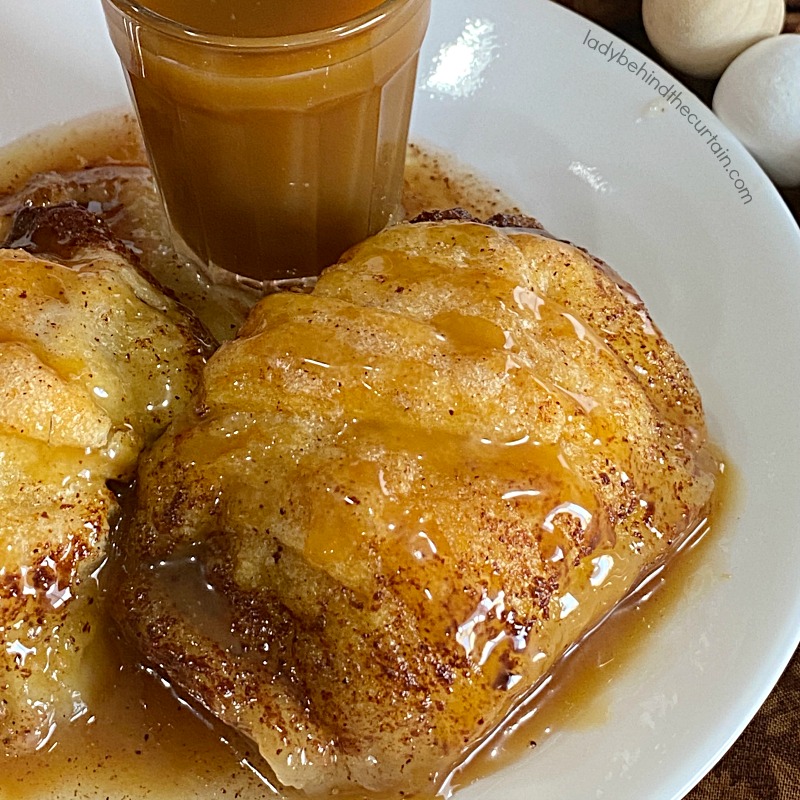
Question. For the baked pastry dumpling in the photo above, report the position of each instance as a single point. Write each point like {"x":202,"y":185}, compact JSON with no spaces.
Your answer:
{"x":405,"y":494}
{"x":95,"y":361}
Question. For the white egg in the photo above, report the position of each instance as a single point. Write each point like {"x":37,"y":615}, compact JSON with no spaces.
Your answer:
{"x":758,"y":98}
{"x":701,"y":37}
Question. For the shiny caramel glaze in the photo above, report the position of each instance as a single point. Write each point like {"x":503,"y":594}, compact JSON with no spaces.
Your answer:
{"x":407,"y":494}
{"x":123,"y":195}
{"x":260,"y":18}
{"x":134,"y":737}
{"x":301,"y":143}
{"x":96,"y":361}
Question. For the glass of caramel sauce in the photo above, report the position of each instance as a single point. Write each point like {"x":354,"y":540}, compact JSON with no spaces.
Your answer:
{"x":276,"y":131}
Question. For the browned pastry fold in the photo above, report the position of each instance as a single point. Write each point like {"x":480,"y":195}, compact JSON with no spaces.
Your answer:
{"x":405,"y":494}
{"x":95,"y":361}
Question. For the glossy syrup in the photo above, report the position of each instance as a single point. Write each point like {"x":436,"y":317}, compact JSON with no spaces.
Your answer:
{"x":139,"y":739}
{"x":260,"y":18}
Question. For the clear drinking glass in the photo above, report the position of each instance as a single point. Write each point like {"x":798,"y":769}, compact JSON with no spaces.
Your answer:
{"x":274,"y":155}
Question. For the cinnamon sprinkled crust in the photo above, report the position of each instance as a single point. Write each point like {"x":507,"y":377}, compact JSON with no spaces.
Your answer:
{"x":95,"y":361}
{"x":60,"y":231}
{"x":404,"y":495}
{"x":499,"y":220}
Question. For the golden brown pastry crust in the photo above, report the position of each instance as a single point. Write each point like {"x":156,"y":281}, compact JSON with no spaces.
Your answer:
{"x":95,"y":361}
{"x":403,"y":497}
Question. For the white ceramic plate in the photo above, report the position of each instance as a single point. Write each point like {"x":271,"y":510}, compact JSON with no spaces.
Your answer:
{"x":537,"y":99}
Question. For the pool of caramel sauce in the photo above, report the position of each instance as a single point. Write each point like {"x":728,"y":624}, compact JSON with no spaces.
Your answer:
{"x":140,"y":740}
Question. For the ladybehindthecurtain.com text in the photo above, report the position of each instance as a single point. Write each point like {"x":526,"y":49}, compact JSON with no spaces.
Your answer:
{"x":616,"y":54}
